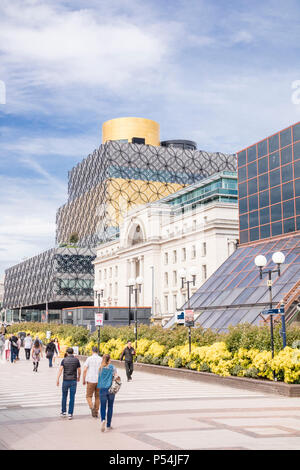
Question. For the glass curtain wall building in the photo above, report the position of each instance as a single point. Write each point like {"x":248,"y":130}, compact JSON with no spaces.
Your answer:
{"x":269,"y":186}
{"x":269,"y":218}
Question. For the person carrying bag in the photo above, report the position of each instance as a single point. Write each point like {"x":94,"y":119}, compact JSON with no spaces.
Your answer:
{"x":108,"y":384}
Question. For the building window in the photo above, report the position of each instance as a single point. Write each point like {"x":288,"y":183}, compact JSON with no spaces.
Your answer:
{"x":194,"y":224}
{"x":110,"y":272}
{"x":204,"y":272}
{"x":110,"y":290}
{"x":174,"y":302}
{"x":183,"y":254}
{"x":116,"y":271}
{"x":166,"y":280}
{"x":100,"y":275}
{"x":166,"y":300}
{"x":105,"y":273}
{"x":166,"y":258}
{"x":174,"y":278}
{"x":116,"y":289}
{"x":204,"y":249}
{"x":174,"y":256}
{"x":193,"y":251}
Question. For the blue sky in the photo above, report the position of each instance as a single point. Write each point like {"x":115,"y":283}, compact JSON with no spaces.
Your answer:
{"x":216,"y":72}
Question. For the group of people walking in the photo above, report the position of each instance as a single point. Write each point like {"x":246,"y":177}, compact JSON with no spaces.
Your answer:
{"x":10,"y":349}
{"x":98,"y":376}
{"x":98,"y":373}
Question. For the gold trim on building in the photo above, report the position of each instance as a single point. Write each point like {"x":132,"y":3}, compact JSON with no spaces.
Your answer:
{"x":128,"y":127}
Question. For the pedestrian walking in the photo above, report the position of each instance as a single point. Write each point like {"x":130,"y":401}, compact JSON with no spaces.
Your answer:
{"x":90,"y":379}
{"x":71,"y":369}
{"x":7,"y":348}
{"x":27,"y":346}
{"x":56,"y":354}
{"x":128,"y":353}
{"x":2,"y":345}
{"x":106,"y":373}
{"x":50,"y":351}
{"x":36,"y":354}
{"x":39,"y":340}
{"x":19,"y":343}
{"x":13,"y":348}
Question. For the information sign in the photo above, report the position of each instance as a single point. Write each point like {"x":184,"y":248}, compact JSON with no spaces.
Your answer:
{"x":98,"y":319}
{"x":189,"y":318}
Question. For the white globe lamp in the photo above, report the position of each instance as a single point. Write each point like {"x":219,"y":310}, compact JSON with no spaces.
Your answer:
{"x":260,"y":261}
{"x":278,"y":258}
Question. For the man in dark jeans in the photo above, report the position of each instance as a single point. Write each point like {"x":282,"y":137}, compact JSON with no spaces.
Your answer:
{"x":71,"y":368}
{"x":128,"y":352}
{"x":13,"y":348}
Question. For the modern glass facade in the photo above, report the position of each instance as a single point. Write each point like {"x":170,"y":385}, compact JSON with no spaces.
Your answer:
{"x":61,"y":277}
{"x":221,"y":187}
{"x":269,"y":218}
{"x":269,"y":186}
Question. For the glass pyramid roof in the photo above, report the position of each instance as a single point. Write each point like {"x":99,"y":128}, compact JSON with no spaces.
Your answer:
{"x":235,"y":293}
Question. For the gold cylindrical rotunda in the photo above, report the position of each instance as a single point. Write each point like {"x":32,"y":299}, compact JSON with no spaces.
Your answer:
{"x":128,"y":129}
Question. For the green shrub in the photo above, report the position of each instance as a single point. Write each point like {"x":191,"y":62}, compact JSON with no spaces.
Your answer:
{"x":204,"y":367}
{"x":251,"y":373}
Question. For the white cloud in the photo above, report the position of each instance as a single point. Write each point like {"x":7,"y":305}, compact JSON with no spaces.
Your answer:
{"x":61,"y":47}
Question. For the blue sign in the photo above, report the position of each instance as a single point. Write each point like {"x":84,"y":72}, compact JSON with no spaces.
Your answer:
{"x":180,"y":317}
{"x":273,"y":311}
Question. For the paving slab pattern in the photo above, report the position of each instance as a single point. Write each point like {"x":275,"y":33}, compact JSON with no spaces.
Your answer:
{"x":151,"y":413}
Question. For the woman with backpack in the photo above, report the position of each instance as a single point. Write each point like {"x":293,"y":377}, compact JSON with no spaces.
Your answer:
{"x":105,"y":379}
{"x":36,"y":354}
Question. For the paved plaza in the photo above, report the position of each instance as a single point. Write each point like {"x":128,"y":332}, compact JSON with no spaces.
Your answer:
{"x":153,"y":412}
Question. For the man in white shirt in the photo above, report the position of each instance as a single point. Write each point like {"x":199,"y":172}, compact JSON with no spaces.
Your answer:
{"x":90,"y":378}
{"x":27,"y":345}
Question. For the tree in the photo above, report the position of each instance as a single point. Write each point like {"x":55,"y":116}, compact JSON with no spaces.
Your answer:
{"x":73,"y":238}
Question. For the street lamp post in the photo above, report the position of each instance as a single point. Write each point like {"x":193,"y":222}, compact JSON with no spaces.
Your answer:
{"x":135,"y":285}
{"x":99,"y":292}
{"x":283,"y":331}
{"x":184,"y":281}
{"x":261,"y":261}
{"x":130,"y":285}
